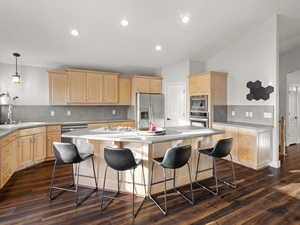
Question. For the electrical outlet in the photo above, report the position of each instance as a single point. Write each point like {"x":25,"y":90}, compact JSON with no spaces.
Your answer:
{"x":114,"y":112}
{"x":268,"y":115}
{"x":247,"y":114}
{"x":52,"y":113}
{"x":233,"y":113}
{"x":69,"y":113}
{"x":250,"y":114}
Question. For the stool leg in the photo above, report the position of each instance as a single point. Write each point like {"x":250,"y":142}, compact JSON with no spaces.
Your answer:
{"x":233,"y":173}
{"x":196,"y":174}
{"x":191,"y":183}
{"x":133,"y":183}
{"x":94,"y":173}
{"x":52,"y":181}
{"x":216,"y":177}
{"x":101,"y":206}
{"x":151,"y":180}
{"x":144,"y":178}
{"x":77,"y":181}
{"x":165,"y":191}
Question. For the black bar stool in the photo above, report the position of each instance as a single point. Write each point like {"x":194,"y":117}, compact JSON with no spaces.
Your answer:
{"x":173,"y":159}
{"x":222,"y":149}
{"x":122,"y":159}
{"x":67,"y":153}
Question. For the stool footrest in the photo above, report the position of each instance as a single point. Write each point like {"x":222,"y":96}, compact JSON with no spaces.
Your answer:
{"x":162,"y":181}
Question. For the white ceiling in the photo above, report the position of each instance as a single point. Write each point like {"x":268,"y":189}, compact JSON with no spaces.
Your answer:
{"x":40,"y":30}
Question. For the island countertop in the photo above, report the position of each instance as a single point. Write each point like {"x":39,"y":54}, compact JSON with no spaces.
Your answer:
{"x":172,"y":133}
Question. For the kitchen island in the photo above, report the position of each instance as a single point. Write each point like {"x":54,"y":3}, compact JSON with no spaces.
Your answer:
{"x":144,"y":147}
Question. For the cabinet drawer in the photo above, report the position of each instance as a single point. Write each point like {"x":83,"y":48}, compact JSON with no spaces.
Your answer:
{"x":32,"y":131}
{"x":53,"y":128}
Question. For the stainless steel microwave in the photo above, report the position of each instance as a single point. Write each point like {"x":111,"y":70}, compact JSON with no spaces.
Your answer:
{"x":199,"y":103}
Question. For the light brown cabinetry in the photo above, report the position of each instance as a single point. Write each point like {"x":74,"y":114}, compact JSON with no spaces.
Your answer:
{"x":25,"y":151}
{"x":53,"y":135}
{"x":110,"y":89}
{"x":124,"y":91}
{"x":251,"y":148}
{"x":94,"y":86}
{"x":147,"y":84}
{"x":32,"y":146}
{"x":58,"y":87}
{"x":8,"y":159}
{"x":76,"y":87}
{"x":212,"y":84}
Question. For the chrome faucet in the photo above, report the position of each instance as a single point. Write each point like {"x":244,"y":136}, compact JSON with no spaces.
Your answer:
{"x":10,"y":107}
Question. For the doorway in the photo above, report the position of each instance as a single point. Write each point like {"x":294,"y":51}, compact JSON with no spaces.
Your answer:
{"x":176,"y":104}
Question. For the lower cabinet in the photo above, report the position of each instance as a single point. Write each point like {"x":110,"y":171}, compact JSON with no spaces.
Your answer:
{"x":53,"y":135}
{"x":8,"y":159}
{"x":39,"y":147}
{"x":251,"y":147}
{"x":25,"y":151}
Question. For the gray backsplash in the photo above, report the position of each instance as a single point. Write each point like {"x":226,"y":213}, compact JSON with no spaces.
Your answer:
{"x":39,"y":113}
{"x":240,"y":114}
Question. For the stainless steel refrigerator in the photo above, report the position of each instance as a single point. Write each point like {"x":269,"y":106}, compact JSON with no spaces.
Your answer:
{"x":149,"y":108}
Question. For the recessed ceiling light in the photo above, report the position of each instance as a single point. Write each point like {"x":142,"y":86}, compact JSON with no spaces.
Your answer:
{"x":124,"y":23}
{"x":158,"y":48}
{"x":74,"y":32}
{"x":185,"y":19}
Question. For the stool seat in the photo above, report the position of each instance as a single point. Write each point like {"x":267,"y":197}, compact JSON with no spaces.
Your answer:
{"x":207,"y":151}
{"x":85,"y":156}
{"x":158,"y":160}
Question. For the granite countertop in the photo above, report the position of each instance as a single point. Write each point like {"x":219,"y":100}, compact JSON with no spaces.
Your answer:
{"x":6,"y":129}
{"x":258,"y":127}
{"x":172,"y":133}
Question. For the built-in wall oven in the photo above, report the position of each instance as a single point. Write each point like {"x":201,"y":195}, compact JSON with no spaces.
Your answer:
{"x":199,"y":114}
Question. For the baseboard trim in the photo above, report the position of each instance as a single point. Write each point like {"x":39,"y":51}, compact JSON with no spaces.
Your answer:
{"x":275,"y":164}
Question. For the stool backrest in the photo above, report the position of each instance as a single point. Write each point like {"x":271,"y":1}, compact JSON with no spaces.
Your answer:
{"x":119,"y":158}
{"x":222,"y":148}
{"x":177,"y":157}
{"x":66,"y":153}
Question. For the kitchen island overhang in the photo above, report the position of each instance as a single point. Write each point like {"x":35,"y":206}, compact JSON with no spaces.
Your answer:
{"x":94,"y":140}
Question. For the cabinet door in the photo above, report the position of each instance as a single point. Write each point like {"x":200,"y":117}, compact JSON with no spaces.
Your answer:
{"x":247,"y":146}
{"x":52,"y":137}
{"x":39,"y":147}
{"x":58,"y":88}
{"x":94,"y":88}
{"x":124,"y":91}
{"x":199,"y":84}
{"x":25,"y":151}
{"x":5,"y":166}
{"x":110,"y":89}
{"x":155,"y":86}
{"x":76,"y":87}
{"x":142,"y":85}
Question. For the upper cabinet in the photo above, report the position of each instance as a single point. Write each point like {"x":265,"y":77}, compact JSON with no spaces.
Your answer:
{"x":124,"y":91}
{"x":155,"y":86}
{"x":57,"y":87}
{"x":94,"y":86}
{"x":78,"y":87}
{"x":110,"y":88}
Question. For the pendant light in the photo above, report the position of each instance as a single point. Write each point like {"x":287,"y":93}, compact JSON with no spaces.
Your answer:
{"x":16,"y":78}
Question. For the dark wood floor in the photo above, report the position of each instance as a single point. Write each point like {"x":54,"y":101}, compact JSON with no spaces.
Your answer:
{"x":267,"y":196}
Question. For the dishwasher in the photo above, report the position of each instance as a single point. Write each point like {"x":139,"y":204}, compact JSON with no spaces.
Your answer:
{"x":69,"y":128}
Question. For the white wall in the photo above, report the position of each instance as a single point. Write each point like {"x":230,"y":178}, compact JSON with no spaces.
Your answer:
{"x":253,"y":57}
{"x":249,"y":59}
{"x":33,"y":90}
